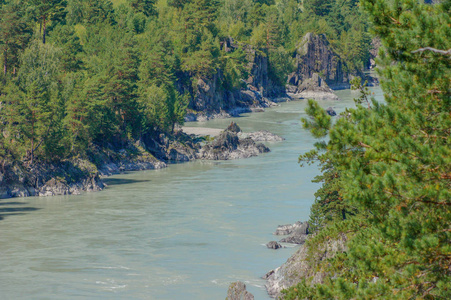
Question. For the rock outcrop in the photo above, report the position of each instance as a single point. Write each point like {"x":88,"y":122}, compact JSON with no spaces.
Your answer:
{"x":297,"y":237}
{"x":237,"y":291}
{"x":262,"y":136}
{"x":287,"y":229}
{"x":297,"y":232}
{"x":65,"y":178}
{"x":179,"y":147}
{"x":132,"y":157}
{"x":320,"y":70}
{"x":153,"y":152}
{"x":302,"y":265}
{"x":229,"y":146}
{"x":210,"y":99}
{"x":316,"y":56}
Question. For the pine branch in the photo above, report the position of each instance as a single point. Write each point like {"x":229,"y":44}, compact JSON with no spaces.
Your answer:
{"x":444,"y":52}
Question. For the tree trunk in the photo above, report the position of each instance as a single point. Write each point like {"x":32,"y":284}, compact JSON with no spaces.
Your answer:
{"x":5,"y":61}
{"x":43,"y":35}
{"x":267,"y":39}
{"x":32,"y":142}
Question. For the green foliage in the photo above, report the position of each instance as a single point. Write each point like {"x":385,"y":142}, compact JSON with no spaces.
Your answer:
{"x":45,"y":11}
{"x":281,"y":64}
{"x":32,"y":113}
{"x":234,"y":67}
{"x":143,"y":6}
{"x":392,"y":164}
{"x":112,"y":71}
{"x":15,"y":33}
{"x":65,"y":38}
{"x":89,"y":11}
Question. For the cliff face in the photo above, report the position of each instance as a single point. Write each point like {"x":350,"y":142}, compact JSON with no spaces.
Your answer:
{"x":65,"y":178}
{"x":319,"y":68}
{"x":301,"y":265}
{"x":210,"y":97}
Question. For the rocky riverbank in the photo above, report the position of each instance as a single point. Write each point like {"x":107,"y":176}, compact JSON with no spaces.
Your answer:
{"x":319,"y":71}
{"x":304,"y":264}
{"x":74,"y":176}
{"x":39,"y":179}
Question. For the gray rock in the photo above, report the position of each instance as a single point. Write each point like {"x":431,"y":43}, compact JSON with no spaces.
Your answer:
{"x":319,"y":67}
{"x":237,"y":291}
{"x":298,"y":236}
{"x":274,"y":245}
{"x":40,"y":179}
{"x":54,"y":187}
{"x":233,"y":127}
{"x":287,"y":229}
{"x":262,"y":136}
{"x":294,"y":238}
{"x":210,"y":99}
{"x":229,"y":146}
{"x":331,"y":112}
{"x":300,"y":266}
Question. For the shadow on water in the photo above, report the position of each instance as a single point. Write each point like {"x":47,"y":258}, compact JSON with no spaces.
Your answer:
{"x":12,"y":203}
{"x":120,"y":181}
{"x":14,"y":211}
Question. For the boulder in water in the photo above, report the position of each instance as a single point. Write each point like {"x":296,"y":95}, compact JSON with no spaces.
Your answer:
{"x":237,"y":291}
{"x":229,"y":146}
{"x":274,"y":245}
{"x":331,"y":112}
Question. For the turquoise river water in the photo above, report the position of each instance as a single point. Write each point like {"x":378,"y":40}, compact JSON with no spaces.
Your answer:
{"x":184,"y":232}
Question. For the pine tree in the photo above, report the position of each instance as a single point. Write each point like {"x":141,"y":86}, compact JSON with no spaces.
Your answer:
{"x":66,"y":39}
{"x":46,"y":11}
{"x":394,"y":162}
{"x":38,"y":106}
{"x":144,"y":6}
{"x":14,"y":33}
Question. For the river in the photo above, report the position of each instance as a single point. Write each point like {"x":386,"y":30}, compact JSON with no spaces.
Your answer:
{"x":184,"y":232}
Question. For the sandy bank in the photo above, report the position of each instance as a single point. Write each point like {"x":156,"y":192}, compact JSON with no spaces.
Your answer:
{"x":201,"y":131}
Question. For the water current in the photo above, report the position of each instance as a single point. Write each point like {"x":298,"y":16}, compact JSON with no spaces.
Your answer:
{"x":184,"y":232}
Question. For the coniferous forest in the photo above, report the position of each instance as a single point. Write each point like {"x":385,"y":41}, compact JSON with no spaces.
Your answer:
{"x":80,"y":75}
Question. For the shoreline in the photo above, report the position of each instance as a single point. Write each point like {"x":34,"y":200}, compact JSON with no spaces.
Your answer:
{"x":75,"y":176}
{"x":48,"y":179}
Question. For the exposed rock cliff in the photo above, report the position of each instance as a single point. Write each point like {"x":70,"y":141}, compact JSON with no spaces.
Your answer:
{"x":301,"y":265}
{"x":65,"y":178}
{"x":179,"y":147}
{"x":319,"y":68}
{"x":211,"y":100}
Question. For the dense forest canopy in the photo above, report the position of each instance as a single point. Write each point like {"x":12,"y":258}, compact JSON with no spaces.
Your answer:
{"x":82,"y":72}
{"x":387,"y":168}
